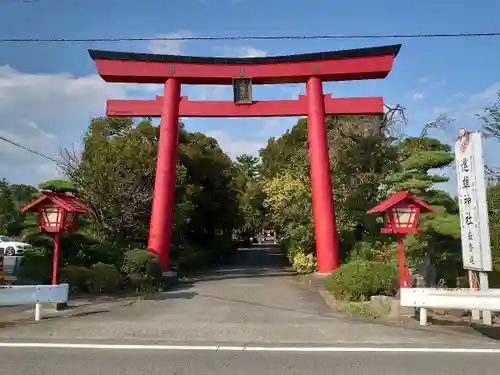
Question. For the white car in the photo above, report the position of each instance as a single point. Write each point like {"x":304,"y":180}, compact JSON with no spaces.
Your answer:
{"x":11,"y":247}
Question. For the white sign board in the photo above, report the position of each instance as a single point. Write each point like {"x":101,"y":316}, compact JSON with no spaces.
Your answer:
{"x":476,"y":250}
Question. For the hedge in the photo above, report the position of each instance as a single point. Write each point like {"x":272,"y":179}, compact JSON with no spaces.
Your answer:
{"x":359,"y":280}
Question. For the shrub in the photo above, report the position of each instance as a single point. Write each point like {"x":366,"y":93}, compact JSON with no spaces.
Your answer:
{"x":143,"y":284}
{"x":362,"y":279}
{"x":102,"y":252}
{"x":193,"y":258}
{"x":143,"y":270}
{"x":104,"y":278}
{"x":494,"y":276}
{"x":76,"y":277}
{"x":139,"y":261}
{"x":304,"y":263}
{"x":35,"y":267}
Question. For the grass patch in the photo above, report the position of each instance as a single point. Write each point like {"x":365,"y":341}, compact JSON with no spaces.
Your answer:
{"x":362,"y":309}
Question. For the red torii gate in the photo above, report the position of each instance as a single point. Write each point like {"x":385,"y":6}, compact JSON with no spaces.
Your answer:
{"x":314,"y":68}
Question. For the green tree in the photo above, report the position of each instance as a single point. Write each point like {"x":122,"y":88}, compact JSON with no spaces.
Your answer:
{"x":437,"y":248}
{"x":248,"y":166}
{"x":8,"y":210}
{"x":115,"y":174}
{"x":23,"y":194}
{"x":58,"y":186}
{"x":491,"y":119}
{"x":360,"y":154}
{"x":249,"y":185}
{"x":493,"y":198}
{"x":12,"y":198}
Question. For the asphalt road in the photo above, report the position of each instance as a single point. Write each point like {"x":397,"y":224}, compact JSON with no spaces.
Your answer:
{"x":252,"y":302}
{"x":110,"y":362}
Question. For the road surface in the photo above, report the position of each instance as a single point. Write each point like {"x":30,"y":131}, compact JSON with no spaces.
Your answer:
{"x":246,"y":316}
{"x":152,"y":362}
{"x":256,"y":300}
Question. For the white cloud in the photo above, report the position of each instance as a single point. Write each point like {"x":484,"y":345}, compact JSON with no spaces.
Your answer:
{"x":418,"y":96}
{"x":45,"y":112}
{"x":276,"y":126}
{"x":489,"y":95}
{"x":241,"y":51}
{"x":431,"y":82}
{"x":209,"y":92}
{"x":170,"y":47}
{"x":465,"y":112}
{"x":236,"y":147}
{"x":472,"y":104}
{"x":251,"y":52}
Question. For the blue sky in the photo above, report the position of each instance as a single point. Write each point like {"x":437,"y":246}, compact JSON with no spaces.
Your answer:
{"x":48,"y":92}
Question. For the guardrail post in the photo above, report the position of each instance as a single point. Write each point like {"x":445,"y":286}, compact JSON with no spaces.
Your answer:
{"x":38,"y":312}
{"x":484,"y":287}
{"x":423,"y":316}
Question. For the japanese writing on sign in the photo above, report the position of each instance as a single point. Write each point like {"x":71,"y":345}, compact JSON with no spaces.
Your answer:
{"x":472,"y":203}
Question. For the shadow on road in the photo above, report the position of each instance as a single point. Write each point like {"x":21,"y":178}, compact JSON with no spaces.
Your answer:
{"x":252,"y":262}
{"x":492,"y":332}
{"x":257,"y":262}
{"x":172,"y":294}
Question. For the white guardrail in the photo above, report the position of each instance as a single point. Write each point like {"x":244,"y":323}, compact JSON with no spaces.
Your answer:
{"x":449,"y":299}
{"x":33,"y":295}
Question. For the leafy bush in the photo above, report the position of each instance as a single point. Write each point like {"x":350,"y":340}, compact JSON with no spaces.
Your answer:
{"x":84,"y":249}
{"x":35,"y":267}
{"x":104,"y":278}
{"x":362,"y":279}
{"x":194,"y":258}
{"x":143,"y":270}
{"x":223,"y":246}
{"x":76,"y":277}
{"x":304,"y":263}
{"x":494,"y":276}
{"x":142,"y":262}
{"x":143,"y":284}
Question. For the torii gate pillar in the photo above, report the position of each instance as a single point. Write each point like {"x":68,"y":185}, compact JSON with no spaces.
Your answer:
{"x":160,"y":232}
{"x":327,"y":244}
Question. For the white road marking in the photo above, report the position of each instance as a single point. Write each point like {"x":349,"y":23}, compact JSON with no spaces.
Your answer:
{"x":323,"y":349}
